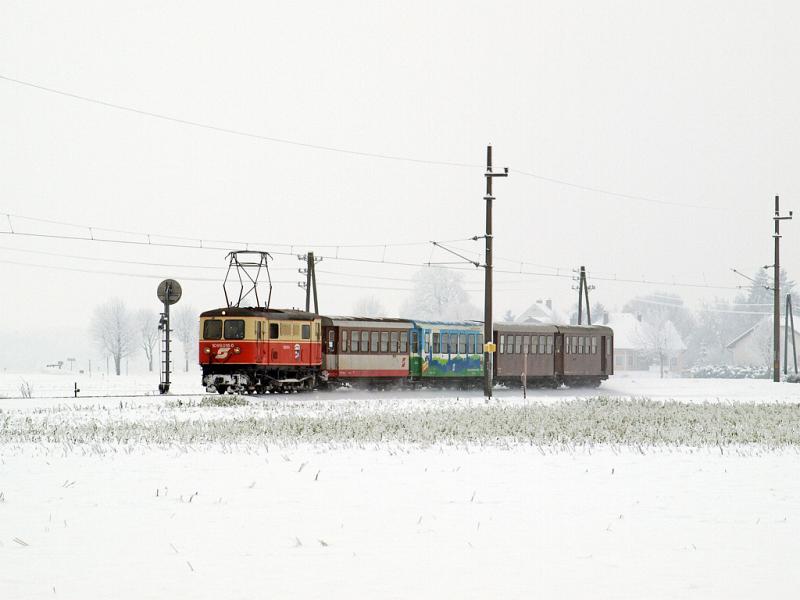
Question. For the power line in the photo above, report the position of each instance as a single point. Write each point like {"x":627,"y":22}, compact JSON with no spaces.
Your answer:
{"x":416,"y":265}
{"x":92,"y":229}
{"x":236,"y":132}
{"x":328,"y":148}
{"x":606,"y":192}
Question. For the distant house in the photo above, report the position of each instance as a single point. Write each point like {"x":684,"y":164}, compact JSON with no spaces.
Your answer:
{"x":753,"y":348}
{"x":639,"y":345}
{"x":542,"y":311}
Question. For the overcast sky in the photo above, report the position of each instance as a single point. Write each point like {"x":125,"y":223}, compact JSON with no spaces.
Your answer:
{"x":690,"y":106}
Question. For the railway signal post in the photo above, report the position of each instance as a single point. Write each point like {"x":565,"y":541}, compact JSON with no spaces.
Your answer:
{"x":488,"y":348}
{"x":169,"y":292}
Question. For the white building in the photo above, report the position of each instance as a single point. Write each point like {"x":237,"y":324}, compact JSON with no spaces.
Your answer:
{"x":639,"y":345}
{"x":753,"y":348}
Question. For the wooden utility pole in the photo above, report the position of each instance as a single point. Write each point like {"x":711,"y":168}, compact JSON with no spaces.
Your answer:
{"x":776,"y":319}
{"x":487,"y":301}
{"x":583,"y":289}
{"x":311,"y":280}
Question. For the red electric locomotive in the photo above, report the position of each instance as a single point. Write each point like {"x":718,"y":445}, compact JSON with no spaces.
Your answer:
{"x":258,"y":350}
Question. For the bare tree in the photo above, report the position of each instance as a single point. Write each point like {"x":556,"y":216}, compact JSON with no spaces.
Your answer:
{"x":113,"y":330}
{"x":660,"y":340}
{"x":185,"y":324}
{"x":147,"y":328}
{"x":369,"y":306}
{"x":439,"y":294}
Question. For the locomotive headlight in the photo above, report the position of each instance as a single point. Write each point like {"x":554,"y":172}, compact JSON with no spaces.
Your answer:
{"x":207,"y":350}
{"x":236,"y":350}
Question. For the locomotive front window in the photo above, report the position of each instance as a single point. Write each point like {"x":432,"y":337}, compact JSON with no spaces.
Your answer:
{"x":234,"y":329}
{"x":212,"y":330}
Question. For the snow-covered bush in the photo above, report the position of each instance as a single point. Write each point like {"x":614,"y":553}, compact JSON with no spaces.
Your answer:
{"x":729,"y":372}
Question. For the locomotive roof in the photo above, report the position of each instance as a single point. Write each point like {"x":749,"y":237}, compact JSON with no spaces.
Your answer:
{"x":274,"y":314}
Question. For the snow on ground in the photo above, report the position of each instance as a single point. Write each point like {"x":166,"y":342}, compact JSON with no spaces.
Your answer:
{"x":154,"y":497}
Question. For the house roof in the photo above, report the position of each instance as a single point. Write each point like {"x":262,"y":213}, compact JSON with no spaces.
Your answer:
{"x":764,"y":321}
{"x":539,"y":312}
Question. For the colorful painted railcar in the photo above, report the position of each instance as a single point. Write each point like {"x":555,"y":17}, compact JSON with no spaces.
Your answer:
{"x":258,"y":350}
{"x":449,"y":351}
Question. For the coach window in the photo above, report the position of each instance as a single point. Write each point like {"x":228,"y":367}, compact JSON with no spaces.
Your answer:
{"x":365,"y":341}
{"x":234,"y":329}
{"x":414,"y":342}
{"x":373,"y":341}
{"x":502,"y":344}
{"x":331,"y":340}
{"x":549,"y":340}
{"x":393,"y":342}
{"x":212,"y":330}
{"x":427,"y":342}
{"x":594,"y":345}
{"x":574,"y":344}
{"x":462,"y":343}
{"x":403,"y":342}
{"x":518,"y":344}
{"x":354,"y":337}
{"x":526,"y":344}
{"x":306,"y":332}
{"x":384,"y":341}
{"x":344,"y":336}
{"x":470,"y":344}
{"x":436,"y":343}
{"x":479,"y":347}
{"x":566,"y":344}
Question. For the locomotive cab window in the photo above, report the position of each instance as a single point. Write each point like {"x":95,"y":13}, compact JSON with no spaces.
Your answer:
{"x":274,"y":331}
{"x":234,"y":329}
{"x":212,"y":330}
{"x":306,"y":332}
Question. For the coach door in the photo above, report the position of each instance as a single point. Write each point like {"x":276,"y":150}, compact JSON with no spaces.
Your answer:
{"x":329,"y":348}
{"x":558,"y":355}
{"x":603,"y":357}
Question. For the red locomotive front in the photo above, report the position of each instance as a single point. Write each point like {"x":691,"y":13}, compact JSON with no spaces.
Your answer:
{"x":257,"y":350}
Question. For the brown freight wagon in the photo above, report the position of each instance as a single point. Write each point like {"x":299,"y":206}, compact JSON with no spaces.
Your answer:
{"x":549,"y":355}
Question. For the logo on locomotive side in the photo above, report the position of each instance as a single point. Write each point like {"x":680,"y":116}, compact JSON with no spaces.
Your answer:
{"x":297,"y":351}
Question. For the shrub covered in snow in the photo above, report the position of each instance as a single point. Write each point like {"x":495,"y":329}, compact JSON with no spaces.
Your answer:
{"x":729,"y":372}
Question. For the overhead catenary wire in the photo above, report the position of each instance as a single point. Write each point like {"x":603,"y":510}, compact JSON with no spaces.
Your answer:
{"x":342,"y":150}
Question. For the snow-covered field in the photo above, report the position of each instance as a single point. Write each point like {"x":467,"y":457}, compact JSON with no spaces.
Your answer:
{"x":616,"y":492}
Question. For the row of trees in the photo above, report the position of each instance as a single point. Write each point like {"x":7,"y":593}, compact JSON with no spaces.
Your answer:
{"x":120,"y":332}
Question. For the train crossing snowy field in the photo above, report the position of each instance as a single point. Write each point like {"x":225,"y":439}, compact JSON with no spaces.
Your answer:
{"x":616,"y":492}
